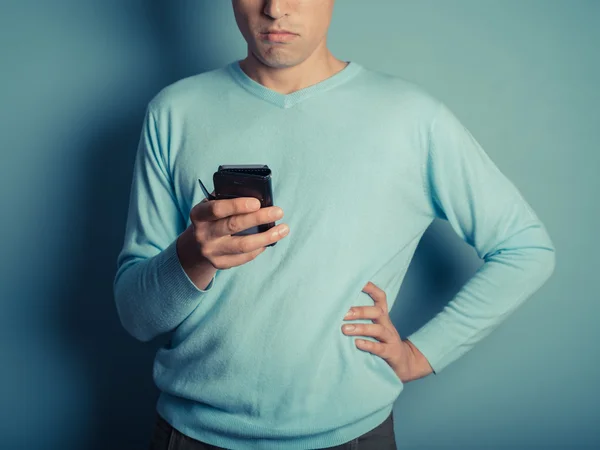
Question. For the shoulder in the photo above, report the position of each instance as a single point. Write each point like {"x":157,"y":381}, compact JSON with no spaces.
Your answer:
{"x":399,"y":93}
{"x":189,"y":92}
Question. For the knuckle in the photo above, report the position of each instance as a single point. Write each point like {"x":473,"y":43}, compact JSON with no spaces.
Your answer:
{"x":206,"y":253}
{"x":217,"y":209}
{"x":244,"y":246}
{"x":199,"y":234}
{"x":232,"y":224}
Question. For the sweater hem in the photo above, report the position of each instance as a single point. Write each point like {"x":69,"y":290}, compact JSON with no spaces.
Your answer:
{"x":203,"y":423}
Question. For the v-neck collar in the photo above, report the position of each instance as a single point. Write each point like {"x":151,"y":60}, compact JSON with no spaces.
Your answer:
{"x":288,"y":100}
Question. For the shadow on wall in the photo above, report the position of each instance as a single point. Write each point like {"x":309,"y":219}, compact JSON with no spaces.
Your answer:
{"x":441,"y":265}
{"x":118,"y":369}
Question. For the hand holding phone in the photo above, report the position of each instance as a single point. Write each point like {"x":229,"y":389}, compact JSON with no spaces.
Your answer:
{"x":244,"y":180}
{"x":219,"y":221}
{"x":215,"y":224}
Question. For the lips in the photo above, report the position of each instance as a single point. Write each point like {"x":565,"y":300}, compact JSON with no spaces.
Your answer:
{"x":276,"y":30}
{"x":279,"y":36}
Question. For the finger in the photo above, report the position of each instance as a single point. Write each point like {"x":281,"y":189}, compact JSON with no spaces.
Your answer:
{"x":376,"y":331}
{"x":244,"y":244}
{"x":378,"y":295}
{"x":240,"y":222}
{"x":377,"y":348}
{"x":367,"y":312}
{"x":209,"y":211}
{"x":238,"y":259}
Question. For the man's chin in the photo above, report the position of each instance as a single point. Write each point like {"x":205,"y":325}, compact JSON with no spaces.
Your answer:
{"x":277,"y":61}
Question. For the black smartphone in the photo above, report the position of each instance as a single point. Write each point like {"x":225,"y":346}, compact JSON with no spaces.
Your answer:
{"x":244,"y":180}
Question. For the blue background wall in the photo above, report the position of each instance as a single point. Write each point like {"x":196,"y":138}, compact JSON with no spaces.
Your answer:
{"x":522,"y":75}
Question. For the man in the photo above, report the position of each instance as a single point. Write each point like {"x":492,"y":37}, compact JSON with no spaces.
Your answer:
{"x":362,"y":163}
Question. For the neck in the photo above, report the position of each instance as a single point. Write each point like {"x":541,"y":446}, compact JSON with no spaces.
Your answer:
{"x":286,"y":80}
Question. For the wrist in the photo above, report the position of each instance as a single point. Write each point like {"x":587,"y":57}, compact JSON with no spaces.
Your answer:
{"x":418,"y":365}
{"x":188,"y":251}
{"x":198,"y":269}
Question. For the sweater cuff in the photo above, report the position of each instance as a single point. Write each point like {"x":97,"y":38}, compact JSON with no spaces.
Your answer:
{"x":173,"y":279}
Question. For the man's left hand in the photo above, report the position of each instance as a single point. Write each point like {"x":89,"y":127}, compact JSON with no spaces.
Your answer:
{"x":396,"y":352}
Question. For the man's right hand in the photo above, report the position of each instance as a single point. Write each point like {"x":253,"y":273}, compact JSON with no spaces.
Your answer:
{"x":209,"y":238}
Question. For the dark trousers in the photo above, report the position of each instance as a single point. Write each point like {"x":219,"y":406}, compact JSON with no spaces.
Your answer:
{"x":166,"y":437}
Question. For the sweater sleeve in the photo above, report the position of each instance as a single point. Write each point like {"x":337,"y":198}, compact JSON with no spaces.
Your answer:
{"x":488,"y":212}
{"x":153,"y":294}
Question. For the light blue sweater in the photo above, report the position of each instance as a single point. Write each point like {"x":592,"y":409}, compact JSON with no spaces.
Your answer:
{"x":362,"y":163}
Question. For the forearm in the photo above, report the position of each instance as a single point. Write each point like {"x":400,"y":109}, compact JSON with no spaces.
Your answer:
{"x":199,"y":270}
{"x":152,"y":290}
{"x":487,"y":211}
{"x":494,"y":292}
{"x":154,"y":294}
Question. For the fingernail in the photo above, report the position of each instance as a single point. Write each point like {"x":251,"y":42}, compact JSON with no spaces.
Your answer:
{"x":253,"y":203}
{"x":275,"y":213}
{"x":348,"y":327}
{"x":283,"y":230}
{"x":350,"y":313}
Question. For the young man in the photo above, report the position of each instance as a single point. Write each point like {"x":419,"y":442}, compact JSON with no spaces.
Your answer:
{"x":362,"y":164}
